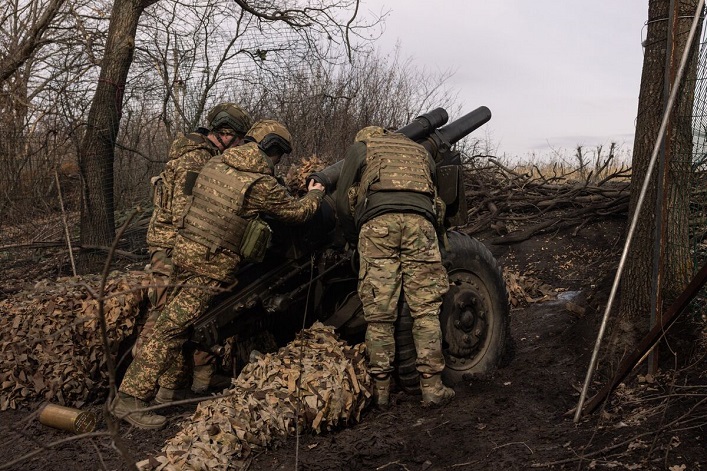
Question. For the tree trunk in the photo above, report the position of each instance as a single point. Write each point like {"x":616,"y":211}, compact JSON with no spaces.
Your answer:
{"x":676,"y":268}
{"x":96,"y":152}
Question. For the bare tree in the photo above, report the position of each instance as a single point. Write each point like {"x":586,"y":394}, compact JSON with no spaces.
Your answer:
{"x":321,"y":25}
{"x":42,"y":62}
{"x":38,"y":17}
{"x":326,"y":105}
{"x":676,"y":267}
{"x":96,"y":151}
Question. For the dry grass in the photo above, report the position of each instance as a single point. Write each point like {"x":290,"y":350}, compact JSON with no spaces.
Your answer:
{"x":584,"y":165}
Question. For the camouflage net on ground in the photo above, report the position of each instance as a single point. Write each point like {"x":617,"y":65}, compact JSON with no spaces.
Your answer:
{"x":316,"y":383}
{"x":50,"y":342}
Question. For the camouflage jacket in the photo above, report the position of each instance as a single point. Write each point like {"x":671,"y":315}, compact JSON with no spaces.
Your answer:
{"x":266,"y":196}
{"x":187,"y":155}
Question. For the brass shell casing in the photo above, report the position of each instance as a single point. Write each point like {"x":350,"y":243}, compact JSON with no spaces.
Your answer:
{"x":67,"y":418}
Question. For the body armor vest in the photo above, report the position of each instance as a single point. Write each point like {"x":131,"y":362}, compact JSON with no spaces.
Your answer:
{"x":161,"y":231}
{"x":395,"y":163}
{"x":217,"y":199}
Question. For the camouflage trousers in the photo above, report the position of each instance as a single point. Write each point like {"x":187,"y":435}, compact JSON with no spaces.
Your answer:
{"x":160,"y":358}
{"x":400,"y":252}
{"x":161,"y":270}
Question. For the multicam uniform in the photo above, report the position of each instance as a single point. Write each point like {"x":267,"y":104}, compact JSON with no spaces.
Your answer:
{"x":172,"y":190}
{"x":231,"y":190}
{"x":387,"y":205}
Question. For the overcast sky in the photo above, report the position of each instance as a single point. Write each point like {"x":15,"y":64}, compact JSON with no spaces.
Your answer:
{"x":555,"y":73}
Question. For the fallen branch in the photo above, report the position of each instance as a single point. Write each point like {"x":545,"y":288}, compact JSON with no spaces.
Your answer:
{"x":623,"y":443}
{"x":502,"y":199}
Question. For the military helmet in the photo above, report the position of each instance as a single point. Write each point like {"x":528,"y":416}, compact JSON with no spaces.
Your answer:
{"x":268,"y":133}
{"x":367,"y":132}
{"x":231,"y":116}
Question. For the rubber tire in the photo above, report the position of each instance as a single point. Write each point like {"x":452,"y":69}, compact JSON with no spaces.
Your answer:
{"x":469,"y":264}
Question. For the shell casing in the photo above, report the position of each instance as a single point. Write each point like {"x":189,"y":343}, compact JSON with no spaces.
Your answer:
{"x":67,"y":418}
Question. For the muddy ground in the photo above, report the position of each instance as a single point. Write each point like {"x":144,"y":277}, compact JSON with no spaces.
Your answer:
{"x":516,"y":418}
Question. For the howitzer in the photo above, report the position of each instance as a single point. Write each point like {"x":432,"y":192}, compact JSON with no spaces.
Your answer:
{"x":429,"y":131}
{"x":308,"y":275}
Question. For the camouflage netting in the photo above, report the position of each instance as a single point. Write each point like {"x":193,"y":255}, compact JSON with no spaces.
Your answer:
{"x":50,"y":343}
{"x":323,"y":376}
{"x":296,"y":177}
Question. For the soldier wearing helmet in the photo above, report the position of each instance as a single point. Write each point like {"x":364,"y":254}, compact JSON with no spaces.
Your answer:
{"x":272,"y":138}
{"x":227,"y":125}
{"x":227,"y":120}
{"x":386,"y":208}
{"x":221,"y":228}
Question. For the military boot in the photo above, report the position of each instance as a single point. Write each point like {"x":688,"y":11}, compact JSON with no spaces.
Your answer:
{"x":206,"y":378}
{"x":381,"y":391}
{"x":167,"y":395}
{"x":129,"y":409}
{"x":434,"y":392}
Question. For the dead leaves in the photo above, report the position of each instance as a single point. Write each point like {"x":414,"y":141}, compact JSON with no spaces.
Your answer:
{"x":524,"y":289}
{"x":50,"y":346}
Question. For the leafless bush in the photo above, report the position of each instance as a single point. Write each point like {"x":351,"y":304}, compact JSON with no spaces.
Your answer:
{"x":326,"y":106}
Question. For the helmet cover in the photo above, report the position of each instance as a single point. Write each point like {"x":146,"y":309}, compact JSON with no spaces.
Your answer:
{"x":229,"y":116}
{"x":268,"y":132}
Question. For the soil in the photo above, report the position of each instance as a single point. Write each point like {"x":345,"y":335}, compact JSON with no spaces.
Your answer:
{"x":517,"y":418}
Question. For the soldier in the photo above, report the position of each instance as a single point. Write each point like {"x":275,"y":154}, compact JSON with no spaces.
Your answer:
{"x":228,"y":124}
{"x":386,"y":207}
{"x":222,"y":227}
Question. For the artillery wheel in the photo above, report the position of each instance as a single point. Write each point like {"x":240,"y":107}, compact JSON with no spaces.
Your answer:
{"x":474,"y":317}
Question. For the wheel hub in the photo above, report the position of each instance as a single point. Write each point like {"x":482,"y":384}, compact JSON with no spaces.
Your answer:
{"x":466,"y":323}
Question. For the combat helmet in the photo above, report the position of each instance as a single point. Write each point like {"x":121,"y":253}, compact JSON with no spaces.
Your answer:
{"x":270,"y":134}
{"x":368,"y":132}
{"x":230,"y":116}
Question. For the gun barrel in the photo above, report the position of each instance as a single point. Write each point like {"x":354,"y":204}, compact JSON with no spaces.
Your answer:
{"x":423,"y":125}
{"x":462,"y":127}
{"x":328,"y":176}
{"x":425,"y":129}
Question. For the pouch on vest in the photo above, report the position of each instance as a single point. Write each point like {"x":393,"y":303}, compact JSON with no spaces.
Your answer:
{"x":256,"y":239}
{"x":157,"y":191}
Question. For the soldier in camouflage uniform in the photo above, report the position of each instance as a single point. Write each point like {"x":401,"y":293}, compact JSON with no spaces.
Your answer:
{"x":228,"y":124}
{"x":385,"y":205}
{"x":222,"y":227}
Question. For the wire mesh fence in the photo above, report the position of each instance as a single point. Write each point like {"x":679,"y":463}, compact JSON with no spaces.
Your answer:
{"x":697,"y":158}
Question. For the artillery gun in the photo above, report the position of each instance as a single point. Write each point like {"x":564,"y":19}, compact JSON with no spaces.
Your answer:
{"x":309,"y":274}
